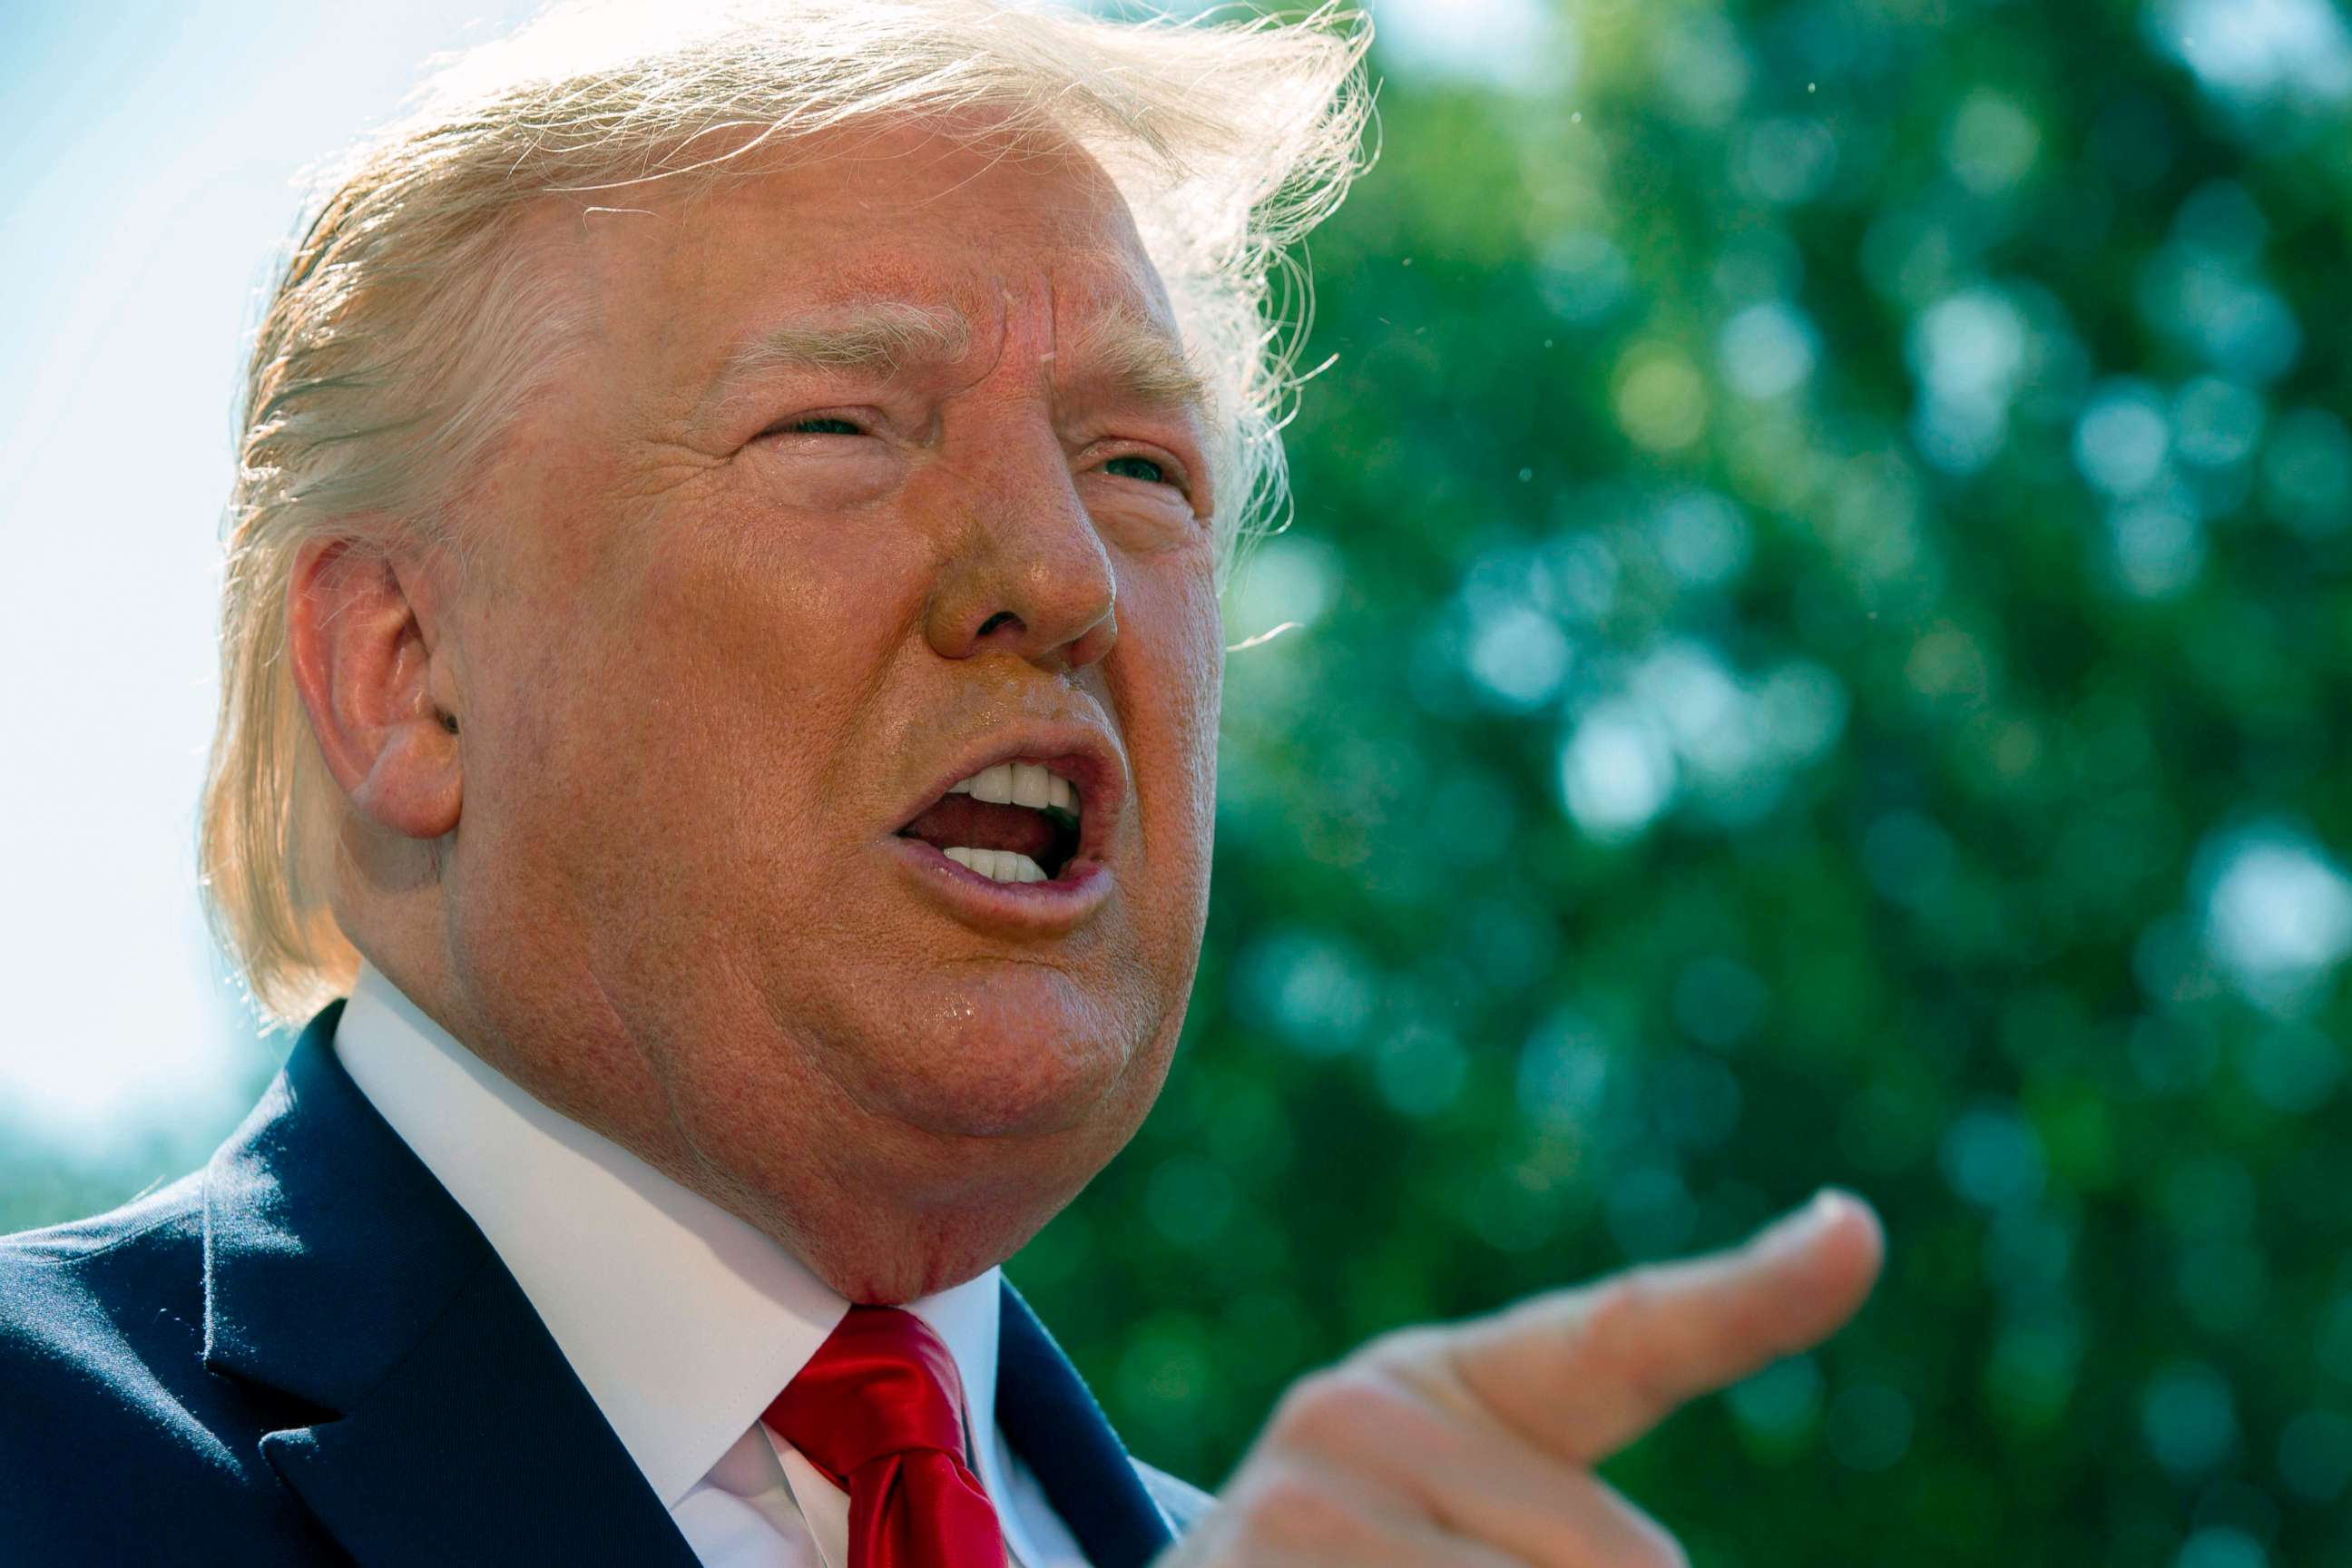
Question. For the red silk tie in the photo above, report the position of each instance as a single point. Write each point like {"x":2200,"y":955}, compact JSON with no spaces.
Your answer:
{"x":879,"y":1409}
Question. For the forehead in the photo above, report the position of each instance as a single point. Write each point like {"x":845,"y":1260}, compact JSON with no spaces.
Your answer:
{"x":961,"y":224}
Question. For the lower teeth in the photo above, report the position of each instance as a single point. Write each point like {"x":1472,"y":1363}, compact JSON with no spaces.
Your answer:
{"x":998,"y":865}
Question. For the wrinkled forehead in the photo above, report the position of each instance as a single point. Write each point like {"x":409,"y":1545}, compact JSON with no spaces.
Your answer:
{"x":940,"y":220}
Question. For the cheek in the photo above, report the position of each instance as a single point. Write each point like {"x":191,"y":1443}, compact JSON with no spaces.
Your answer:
{"x":765,"y":635}
{"x":1197,"y":661}
{"x":768,"y":601}
{"x":1168,"y":691}
{"x":672,"y":700}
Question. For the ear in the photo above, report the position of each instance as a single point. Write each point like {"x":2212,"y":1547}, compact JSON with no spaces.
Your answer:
{"x":380,"y":696}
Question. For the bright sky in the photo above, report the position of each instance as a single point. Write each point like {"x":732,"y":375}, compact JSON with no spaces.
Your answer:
{"x":150,"y":177}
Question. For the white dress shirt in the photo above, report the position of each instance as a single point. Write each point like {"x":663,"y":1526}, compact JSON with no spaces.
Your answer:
{"x":682,"y":1320}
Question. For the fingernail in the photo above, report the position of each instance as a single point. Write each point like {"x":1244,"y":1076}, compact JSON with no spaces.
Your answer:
{"x":1802,"y":1224}
{"x":1828,"y":1204}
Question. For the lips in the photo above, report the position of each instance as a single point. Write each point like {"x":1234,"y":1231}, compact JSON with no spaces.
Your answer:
{"x":1020,"y":833}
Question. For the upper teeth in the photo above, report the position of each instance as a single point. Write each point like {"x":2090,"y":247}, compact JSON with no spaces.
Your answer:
{"x":1019,"y":784}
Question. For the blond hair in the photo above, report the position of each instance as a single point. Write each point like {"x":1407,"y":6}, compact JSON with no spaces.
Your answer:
{"x":407,"y":324}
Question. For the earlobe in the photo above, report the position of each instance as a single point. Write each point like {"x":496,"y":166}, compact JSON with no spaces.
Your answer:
{"x":375,"y":687}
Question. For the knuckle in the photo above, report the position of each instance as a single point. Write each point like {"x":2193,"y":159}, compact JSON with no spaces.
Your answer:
{"x":1618,"y":1331}
{"x":1404,"y":1351}
{"x":1291,"y":1511}
{"x":1618,"y":1307}
{"x":1328,"y":1410}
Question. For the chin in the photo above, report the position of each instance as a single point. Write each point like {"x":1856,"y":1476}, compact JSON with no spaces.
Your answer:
{"x":1015,"y":1050}
{"x":1014,"y":1080}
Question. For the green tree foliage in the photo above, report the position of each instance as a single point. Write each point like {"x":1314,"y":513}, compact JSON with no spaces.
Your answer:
{"x":1824,"y":551}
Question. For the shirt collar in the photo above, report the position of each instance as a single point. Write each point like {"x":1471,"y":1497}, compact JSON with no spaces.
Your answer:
{"x":682,"y":1319}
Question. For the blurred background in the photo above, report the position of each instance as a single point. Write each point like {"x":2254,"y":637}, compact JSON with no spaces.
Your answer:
{"x":1824,"y":557}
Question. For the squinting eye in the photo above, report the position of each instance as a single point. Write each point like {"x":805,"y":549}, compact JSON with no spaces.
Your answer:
{"x":1152,"y":475}
{"x":808,"y":426}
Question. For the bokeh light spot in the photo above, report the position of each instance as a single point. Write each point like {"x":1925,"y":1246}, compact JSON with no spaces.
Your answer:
{"x":1660,"y":398}
{"x":1617,"y":771}
{"x":2188,"y":1418}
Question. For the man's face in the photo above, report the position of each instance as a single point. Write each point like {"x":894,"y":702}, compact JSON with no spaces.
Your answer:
{"x":749,"y":601}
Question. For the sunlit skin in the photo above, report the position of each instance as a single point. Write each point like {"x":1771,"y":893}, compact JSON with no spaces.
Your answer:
{"x":720,"y":636}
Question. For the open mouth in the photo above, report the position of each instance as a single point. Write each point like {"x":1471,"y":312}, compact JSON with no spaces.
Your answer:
{"x":1014,"y":822}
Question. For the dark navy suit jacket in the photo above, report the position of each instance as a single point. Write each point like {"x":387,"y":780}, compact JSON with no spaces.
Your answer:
{"x":306,"y":1353}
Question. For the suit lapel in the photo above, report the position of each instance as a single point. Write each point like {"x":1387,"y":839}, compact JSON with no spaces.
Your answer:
{"x":442,"y":1424}
{"x":1054,"y":1425}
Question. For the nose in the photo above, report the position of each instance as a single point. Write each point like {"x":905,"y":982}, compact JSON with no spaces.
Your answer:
{"x":1026,"y":572}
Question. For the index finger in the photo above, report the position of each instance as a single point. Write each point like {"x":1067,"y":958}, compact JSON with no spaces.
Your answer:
{"x":1582,"y":1373}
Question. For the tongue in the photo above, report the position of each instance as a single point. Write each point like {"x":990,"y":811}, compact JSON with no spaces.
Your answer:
{"x":977,"y":824}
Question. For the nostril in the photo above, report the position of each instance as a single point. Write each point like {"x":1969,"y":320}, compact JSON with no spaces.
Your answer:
{"x":994,"y":621}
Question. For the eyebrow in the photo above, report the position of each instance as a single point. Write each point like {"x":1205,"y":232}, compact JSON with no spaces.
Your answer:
{"x":1127,"y":353}
{"x":1137,"y":360}
{"x":885,"y":338}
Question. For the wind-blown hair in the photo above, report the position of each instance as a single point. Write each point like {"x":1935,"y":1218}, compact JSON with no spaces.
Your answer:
{"x":408,"y":324}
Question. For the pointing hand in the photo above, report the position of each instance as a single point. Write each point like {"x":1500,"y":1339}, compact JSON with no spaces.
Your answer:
{"x":1473,"y":1443}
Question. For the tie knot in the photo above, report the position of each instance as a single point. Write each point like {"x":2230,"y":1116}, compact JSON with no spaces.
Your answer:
{"x":882,"y":1384}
